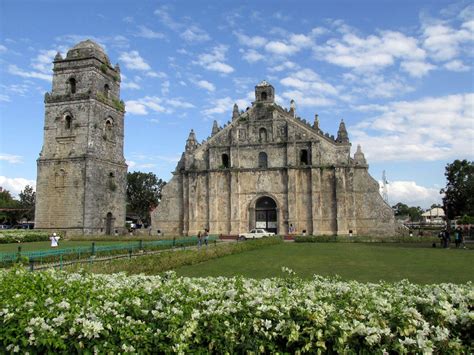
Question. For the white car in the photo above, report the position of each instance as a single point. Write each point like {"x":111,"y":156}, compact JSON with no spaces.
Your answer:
{"x":255,"y":234}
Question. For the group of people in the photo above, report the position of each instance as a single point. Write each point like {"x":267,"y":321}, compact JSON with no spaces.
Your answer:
{"x":204,"y":236}
{"x":445,"y":238}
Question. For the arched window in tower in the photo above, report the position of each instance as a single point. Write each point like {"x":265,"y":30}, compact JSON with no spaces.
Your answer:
{"x":109,"y":129}
{"x":262,"y":135}
{"x":60,"y":178}
{"x":263,"y":96}
{"x":262,"y":160}
{"x":225,"y":161}
{"x":106,"y":90}
{"x":304,"y":158}
{"x":111,"y":182}
{"x":68,"y":122}
{"x":72,"y":85}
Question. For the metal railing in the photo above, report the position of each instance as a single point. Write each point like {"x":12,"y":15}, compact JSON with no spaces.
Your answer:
{"x":55,"y":256}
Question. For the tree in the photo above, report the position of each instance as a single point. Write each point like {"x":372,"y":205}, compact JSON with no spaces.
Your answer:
{"x":458,"y":197}
{"x":27,"y":201}
{"x":9,"y":208}
{"x":400,"y":209}
{"x":143,"y":193}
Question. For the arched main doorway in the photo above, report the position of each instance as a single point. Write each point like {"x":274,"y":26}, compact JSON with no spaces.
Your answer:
{"x":108,"y":224}
{"x":266,"y":214}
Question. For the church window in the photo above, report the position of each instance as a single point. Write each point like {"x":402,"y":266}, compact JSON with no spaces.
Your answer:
{"x":60,"y":178}
{"x":262,"y":160}
{"x":262,"y":135}
{"x":106,"y":90}
{"x":68,"y":122}
{"x":225,"y":161}
{"x":109,"y":128}
{"x":304,"y":159}
{"x":72,"y":85}
{"x":263,"y":96}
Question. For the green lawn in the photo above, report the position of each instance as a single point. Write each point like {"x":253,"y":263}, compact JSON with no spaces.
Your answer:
{"x":63,"y":244}
{"x":369,"y":262}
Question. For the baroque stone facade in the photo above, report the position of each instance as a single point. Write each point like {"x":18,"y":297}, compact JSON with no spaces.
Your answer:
{"x":81,"y":177}
{"x":269,"y":169}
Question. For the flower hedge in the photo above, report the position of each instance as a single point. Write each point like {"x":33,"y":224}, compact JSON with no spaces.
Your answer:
{"x":23,"y":236}
{"x":58,"y":312}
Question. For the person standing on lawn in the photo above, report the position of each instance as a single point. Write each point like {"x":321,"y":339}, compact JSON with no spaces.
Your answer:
{"x":54,"y":240}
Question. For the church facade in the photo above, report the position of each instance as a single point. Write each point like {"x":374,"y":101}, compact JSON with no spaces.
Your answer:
{"x":81,"y":178}
{"x":268,"y":168}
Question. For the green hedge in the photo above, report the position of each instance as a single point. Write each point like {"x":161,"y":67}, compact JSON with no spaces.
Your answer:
{"x":362,"y":239}
{"x":23,"y":236}
{"x":169,"y":260}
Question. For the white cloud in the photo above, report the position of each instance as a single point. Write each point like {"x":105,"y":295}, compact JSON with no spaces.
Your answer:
{"x":166,"y":18}
{"x":219,"y":106}
{"x":44,"y":61}
{"x":4,"y":98}
{"x":129,"y":85}
{"x":255,"y":41}
{"x":374,"y":85}
{"x":134,"y":61}
{"x":429,"y":129}
{"x":195,"y":34}
{"x":308,"y":89}
{"x":251,"y":55}
{"x":12,"y":159}
{"x":3,"y":49}
{"x":13,"y":69}
{"x":443,"y":42}
{"x":206,"y":85}
{"x":371,"y":53}
{"x":143,"y":105}
{"x":146,"y":32}
{"x":281,"y":48}
{"x":215,"y":60}
{"x":16,"y":185}
{"x":456,"y":65}
{"x":284,"y":66}
{"x":417,"y":69}
{"x":412,"y":194}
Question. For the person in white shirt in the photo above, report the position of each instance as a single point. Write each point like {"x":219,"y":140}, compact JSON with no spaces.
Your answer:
{"x":54,"y":240}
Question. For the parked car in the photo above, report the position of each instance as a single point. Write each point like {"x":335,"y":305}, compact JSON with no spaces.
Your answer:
{"x":5,"y":226}
{"x":255,"y":234}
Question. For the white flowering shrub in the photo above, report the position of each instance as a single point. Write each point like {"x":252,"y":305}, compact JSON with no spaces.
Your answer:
{"x":58,"y":312}
{"x":22,"y":235}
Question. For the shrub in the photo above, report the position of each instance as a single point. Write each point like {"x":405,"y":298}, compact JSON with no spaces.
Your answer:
{"x":22,"y":236}
{"x":58,"y":312}
{"x":363,"y":239}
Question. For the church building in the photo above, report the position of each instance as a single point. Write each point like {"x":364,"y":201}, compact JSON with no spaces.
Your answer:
{"x":268,"y":168}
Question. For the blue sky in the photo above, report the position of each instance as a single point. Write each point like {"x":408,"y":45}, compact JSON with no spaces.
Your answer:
{"x":400,"y":74}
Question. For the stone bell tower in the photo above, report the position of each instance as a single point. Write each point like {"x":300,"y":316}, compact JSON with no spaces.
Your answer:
{"x":81,"y":180}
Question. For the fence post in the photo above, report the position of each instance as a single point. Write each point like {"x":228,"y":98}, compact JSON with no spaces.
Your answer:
{"x":174,"y":241}
{"x":60,"y":261}
{"x":32,"y":264}
{"x":19,"y":254}
{"x":93,"y":248}
{"x":130,"y":253}
{"x":140,"y":244}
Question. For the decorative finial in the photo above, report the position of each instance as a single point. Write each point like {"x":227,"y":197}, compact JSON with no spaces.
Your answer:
{"x":58,"y":57}
{"x":316,"y":122}
{"x":342,"y":136}
{"x":235,"y":112}
{"x":292,"y":108}
{"x":215,"y":128}
{"x":191,"y":142}
{"x":359,"y":158}
{"x":117,"y":67}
